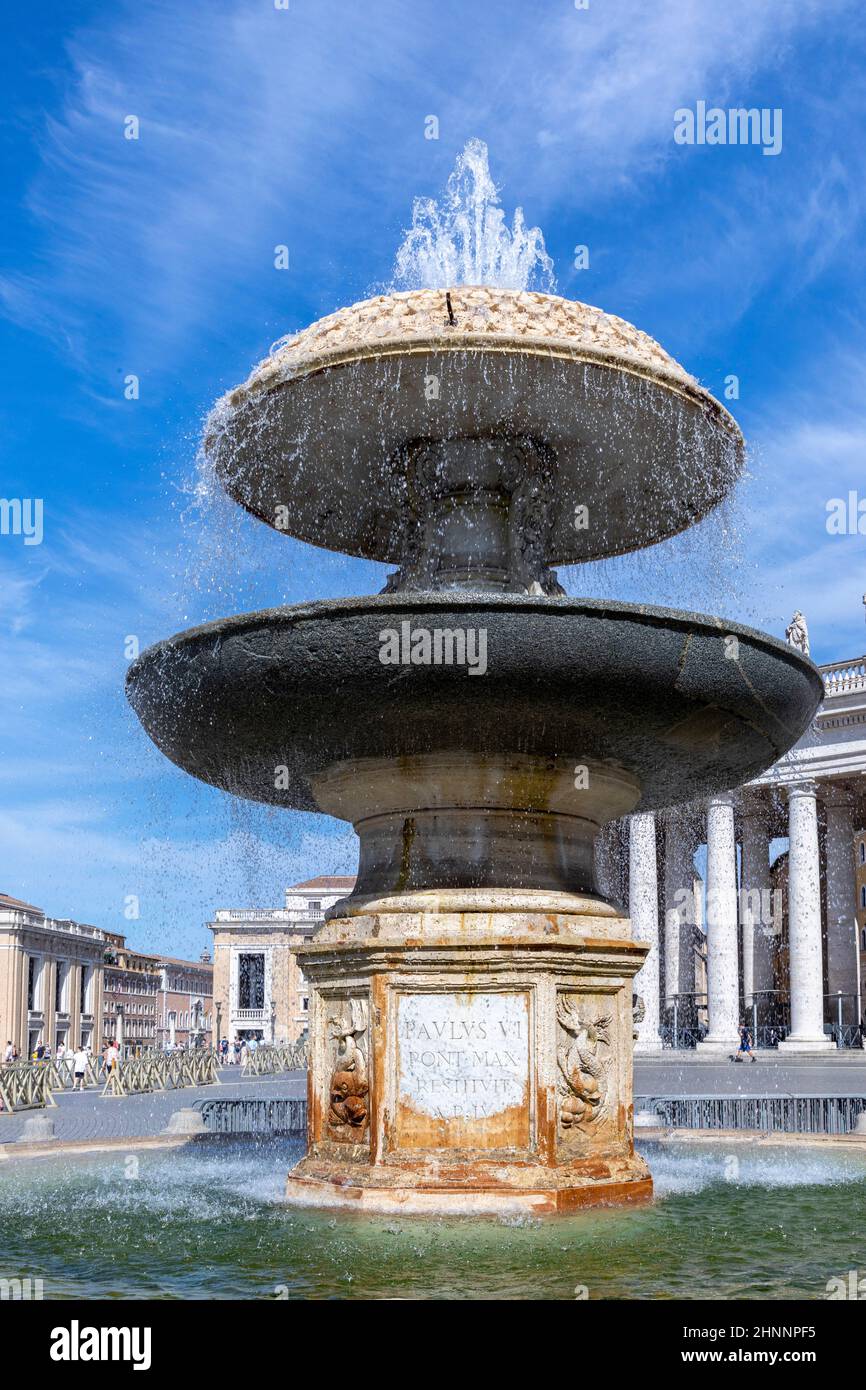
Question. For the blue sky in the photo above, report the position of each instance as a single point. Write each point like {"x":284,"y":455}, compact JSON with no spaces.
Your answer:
{"x":306,"y":127}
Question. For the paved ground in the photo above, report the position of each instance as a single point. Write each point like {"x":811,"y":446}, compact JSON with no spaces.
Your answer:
{"x":92,"y":1116}
{"x":685,"y":1074}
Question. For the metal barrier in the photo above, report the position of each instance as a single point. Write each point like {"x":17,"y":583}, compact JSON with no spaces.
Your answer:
{"x":163,"y":1071}
{"x":785,"y":1114}
{"x":278,"y":1116}
{"x":24,"y":1086}
{"x":267,"y":1059}
{"x":62,"y":1073}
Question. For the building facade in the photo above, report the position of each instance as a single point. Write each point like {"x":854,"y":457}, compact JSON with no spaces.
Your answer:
{"x":64,"y":982}
{"x":50,"y":979}
{"x":785,"y":892}
{"x":258,"y":989}
{"x":185,"y":1004}
{"x":131,"y":984}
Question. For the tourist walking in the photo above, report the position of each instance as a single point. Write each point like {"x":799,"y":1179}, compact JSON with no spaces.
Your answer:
{"x":79,"y":1069}
{"x":9,"y":1054}
{"x":110,"y":1054}
{"x":746,"y":1044}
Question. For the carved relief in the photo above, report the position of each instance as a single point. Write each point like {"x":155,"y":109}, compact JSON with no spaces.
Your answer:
{"x":348,"y":1101}
{"x":583,"y":1059}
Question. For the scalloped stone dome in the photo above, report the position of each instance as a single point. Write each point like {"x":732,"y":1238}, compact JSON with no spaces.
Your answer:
{"x":479,"y":311}
{"x":314,"y":442}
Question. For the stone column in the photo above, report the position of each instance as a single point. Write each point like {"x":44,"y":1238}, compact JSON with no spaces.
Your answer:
{"x":722,"y":953}
{"x":760,"y":927}
{"x":842,"y":946}
{"x":644,"y":912}
{"x":679,"y":895}
{"x":804,"y":924}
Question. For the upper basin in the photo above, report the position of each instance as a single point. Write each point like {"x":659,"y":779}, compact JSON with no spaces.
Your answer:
{"x":313,"y":443}
{"x":681,"y":704}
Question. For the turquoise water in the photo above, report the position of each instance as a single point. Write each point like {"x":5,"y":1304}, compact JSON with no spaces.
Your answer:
{"x":207,"y":1222}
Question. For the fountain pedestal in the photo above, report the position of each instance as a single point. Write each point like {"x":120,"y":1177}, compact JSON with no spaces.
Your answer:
{"x":471,"y":1023}
{"x":471,"y":1052}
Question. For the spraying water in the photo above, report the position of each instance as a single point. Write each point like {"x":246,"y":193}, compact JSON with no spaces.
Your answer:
{"x":464,"y":239}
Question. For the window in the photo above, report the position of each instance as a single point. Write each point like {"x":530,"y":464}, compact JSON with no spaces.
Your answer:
{"x":31,"y":982}
{"x":863,"y":896}
{"x":305,"y":1004}
{"x":60,"y":987}
{"x":863,"y":851}
{"x":251,"y":981}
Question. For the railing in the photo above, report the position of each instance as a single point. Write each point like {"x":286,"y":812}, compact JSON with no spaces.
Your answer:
{"x":267,"y":1059}
{"x":24,"y":1086}
{"x":279,"y":1116}
{"x":840,"y":677}
{"x":769,"y":1114}
{"x":163,"y":1072}
{"x":62,"y":1073}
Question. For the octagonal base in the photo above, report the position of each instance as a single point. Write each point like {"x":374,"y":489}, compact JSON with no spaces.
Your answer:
{"x":471,"y":1062}
{"x":470,"y":1189}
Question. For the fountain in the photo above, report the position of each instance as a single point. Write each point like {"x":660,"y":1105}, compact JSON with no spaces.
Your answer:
{"x":471,"y":1000}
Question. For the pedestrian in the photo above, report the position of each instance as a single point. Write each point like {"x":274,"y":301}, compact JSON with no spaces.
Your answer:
{"x":79,"y":1069}
{"x":9,"y":1054}
{"x":746,"y":1044}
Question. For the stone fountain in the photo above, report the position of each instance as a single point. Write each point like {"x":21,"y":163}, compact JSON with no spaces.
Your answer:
{"x":471,"y":1000}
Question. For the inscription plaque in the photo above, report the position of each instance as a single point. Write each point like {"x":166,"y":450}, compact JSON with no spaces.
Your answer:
{"x":463,"y":1070}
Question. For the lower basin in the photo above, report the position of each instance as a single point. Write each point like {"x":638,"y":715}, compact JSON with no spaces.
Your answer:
{"x":207,"y":1221}
{"x":474,"y":740}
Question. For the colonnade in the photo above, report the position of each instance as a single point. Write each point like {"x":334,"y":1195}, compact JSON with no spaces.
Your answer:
{"x":745,"y":948}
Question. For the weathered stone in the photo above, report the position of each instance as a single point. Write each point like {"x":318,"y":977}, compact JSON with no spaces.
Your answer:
{"x":496,"y":1060}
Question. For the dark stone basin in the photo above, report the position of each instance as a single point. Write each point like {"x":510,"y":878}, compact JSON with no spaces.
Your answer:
{"x":650,"y":691}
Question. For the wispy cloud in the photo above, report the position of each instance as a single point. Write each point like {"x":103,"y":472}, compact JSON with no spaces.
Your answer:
{"x":261,"y":126}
